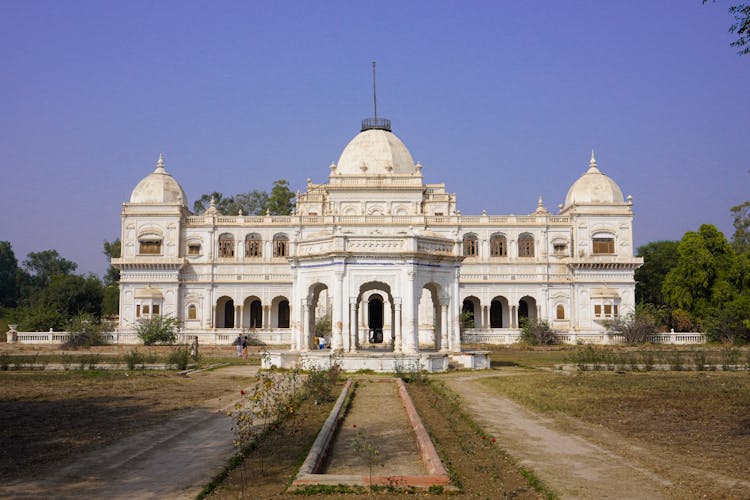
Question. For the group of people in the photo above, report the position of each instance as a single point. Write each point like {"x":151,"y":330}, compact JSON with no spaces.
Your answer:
{"x":241,"y":343}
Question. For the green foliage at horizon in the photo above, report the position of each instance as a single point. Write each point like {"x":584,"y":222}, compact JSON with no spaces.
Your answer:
{"x":280,"y":201}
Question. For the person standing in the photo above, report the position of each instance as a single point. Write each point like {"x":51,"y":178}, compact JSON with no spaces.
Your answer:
{"x":244,"y":347}
{"x":238,"y":342}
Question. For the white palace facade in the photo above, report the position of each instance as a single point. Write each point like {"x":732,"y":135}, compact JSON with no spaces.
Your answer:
{"x":399,"y":269}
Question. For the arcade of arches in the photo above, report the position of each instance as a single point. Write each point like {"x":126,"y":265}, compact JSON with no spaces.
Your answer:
{"x":251,"y":313}
{"x":499,"y":313}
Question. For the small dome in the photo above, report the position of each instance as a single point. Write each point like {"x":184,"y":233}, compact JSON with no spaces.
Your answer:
{"x":594,"y":187}
{"x":375,"y":152}
{"x":159,"y":187}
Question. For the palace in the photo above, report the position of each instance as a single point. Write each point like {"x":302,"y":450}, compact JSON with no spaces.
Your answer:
{"x":398,"y":268}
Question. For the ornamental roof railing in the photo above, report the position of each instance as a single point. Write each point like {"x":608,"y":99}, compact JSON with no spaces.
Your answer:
{"x":376,"y":124}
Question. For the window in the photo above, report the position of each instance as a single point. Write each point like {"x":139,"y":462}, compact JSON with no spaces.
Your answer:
{"x":156,"y":309}
{"x":253,"y":245}
{"x":560,"y":312}
{"x":226,"y":245}
{"x":617,"y":314}
{"x":280,"y":245}
{"x":137,"y":310}
{"x":471,"y":246}
{"x":146,"y":310}
{"x":498,"y":246}
{"x":150,"y":247}
{"x":194,"y":248}
{"x":606,"y":310}
{"x":526,"y":245}
{"x":604,"y":246}
{"x":598,"y":310}
{"x":560,"y":249}
{"x":192,"y":312}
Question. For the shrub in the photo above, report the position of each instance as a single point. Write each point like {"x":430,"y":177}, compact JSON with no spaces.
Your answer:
{"x":180,"y":358}
{"x":133,"y":359}
{"x":535,"y":332}
{"x":319,"y":383}
{"x":635,"y":327}
{"x":85,"y":331}
{"x":158,"y":329}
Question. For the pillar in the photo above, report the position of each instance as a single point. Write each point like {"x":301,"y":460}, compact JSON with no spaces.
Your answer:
{"x":305,"y":344}
{"x":514,"y":317}
{"x":266,"y":317}
{"x":444,"y":326}
{"x":353,"y":324}
{"x":397,"y":345}
{"x":237,"y":316}
{"x":337,"y":341}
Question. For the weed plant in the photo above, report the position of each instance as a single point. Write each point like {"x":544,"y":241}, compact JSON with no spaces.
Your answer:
{"x":179,"y":357}
{"x":133,"y":359}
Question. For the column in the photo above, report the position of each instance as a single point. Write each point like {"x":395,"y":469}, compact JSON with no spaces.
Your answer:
{"x":538,"y":312}
{"x":353,"y":324}
{"x":411,"y":333}
{"x":444,"y":325}
{"x":337,"y":341}
{"x":397,"y":346}
{"x":236,"y":316}
{"x":513,"y":317}
{"x":239,"y":323}
{"x":305,"y":344}
{"x":266,"y":317}
{"x":486,"y":317}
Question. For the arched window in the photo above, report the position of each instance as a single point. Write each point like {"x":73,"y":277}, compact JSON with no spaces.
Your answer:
{"x":498,"y":246}
{"x":283,"y":318}
{"x":526,"y":245}
{"x":226,"y":245}
{"x":471,"y":245}
{"x":280,"y":245}
{"x":192,"y":312}
{"x":149,"y":244}
{"x":253,"y":245}
{"x":603,"y":244}
{"x":560,"y":312}
{"x":194,"y":248}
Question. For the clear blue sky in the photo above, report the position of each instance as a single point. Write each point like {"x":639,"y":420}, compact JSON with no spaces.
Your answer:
{"x":500,"y":100}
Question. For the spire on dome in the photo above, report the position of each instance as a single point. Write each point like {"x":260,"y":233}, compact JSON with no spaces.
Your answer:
{"x":160,"y":164}
{"x":592,"y":164}
{"x":540,"y":210}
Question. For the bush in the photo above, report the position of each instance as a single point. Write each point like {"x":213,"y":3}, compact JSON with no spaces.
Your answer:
{"x":85,"y":331}
{"x":535,"y":332}
{"x":180,"y":358}
{"x":158,"y":330}
{"x":134,"y":358}
{"x":320,"y":383}
{"x":635,"y":327}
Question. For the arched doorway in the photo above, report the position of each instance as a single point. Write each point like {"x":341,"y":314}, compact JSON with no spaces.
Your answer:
{"x":283,"y":314}
{"x":224,"y":312}
{"x":496,"y":314}
{"x":526,"y":310}
{"x":256,"y":314}
{"x":375,"y":319}
{"x":468,"y":313}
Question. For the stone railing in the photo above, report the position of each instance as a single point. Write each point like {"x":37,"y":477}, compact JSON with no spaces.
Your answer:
{"x":415,"y":220}
{"x":218,"y":336}
{"x":504,"y":336}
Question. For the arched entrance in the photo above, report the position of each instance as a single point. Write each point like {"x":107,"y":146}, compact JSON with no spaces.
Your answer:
{"x":526,"y":310}
{"x":256,"y":314}
{"x":283,"y":314}
{"x":225,"y":312}
{"x":499,"y":313}
{"x":375,"y":319}
{"x":468,"y":312}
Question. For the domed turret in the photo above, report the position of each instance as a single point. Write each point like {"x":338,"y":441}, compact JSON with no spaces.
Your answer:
{"x":594,"y":187}
{"x":375,"y":151}
{"x":159,"y":187}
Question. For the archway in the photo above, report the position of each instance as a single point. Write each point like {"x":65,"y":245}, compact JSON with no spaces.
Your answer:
{"x":469,"y":312}
{"x":430,"y":317}
{"x":282,"y":314}
{"x":499,"y":313}
{"x":225,"y":312}
{"x":251,"y":317}
{"x":375,"y":319}
{"x":319,"y":315}
{"x":526,"y":310}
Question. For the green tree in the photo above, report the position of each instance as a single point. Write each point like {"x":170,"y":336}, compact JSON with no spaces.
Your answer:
{"x":741,"y":237}
{"x":111,"y":292}
{"x":201,"y":204}
{"x":705,"y":275}
{"x":740,"y":26}
{"x":42,"y":266}
{"x":281,"y":201}
{"x":659,"y":257}
{"x":251,"y":203}
{"x":8,"y":275}
{"x":72,"y":295}
{"x":157,"y":329}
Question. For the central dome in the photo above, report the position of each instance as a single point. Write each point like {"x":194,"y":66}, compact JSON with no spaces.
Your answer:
{"x":375,"y":152}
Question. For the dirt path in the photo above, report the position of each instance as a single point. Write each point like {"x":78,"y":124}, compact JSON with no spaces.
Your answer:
{"x":173,"y":460}
{"x":572,"y":466}
{"x":377,"y":410}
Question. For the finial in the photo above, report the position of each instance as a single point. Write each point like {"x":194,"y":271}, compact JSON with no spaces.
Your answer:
{"x":484,"y":212}
{"x":239,"y":212}
{"x":592,"y":161}
{"x":268,"y":211}
{"x":418,"y":166}
{"x":333,"y":166}
{"x":213,"y":201}
{"x":374,"y":92}
{"x":540,"y":203}
{"x":160,"y":163}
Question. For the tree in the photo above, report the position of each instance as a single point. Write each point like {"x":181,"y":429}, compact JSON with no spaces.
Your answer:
{"x":251,"y":203}
{"x":42,"y":266}
{"x":636,"y":326}
{"x":281,"y":201}
{"x":157,"y":329}
{"x":740,"y":26}
{"x":201,"y":204}
{"x":111,"y":292}
{"x":659,"y":257}
{"x":8,"y":275}
{"x":741,"y":236}
{"x":72,"y":295}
